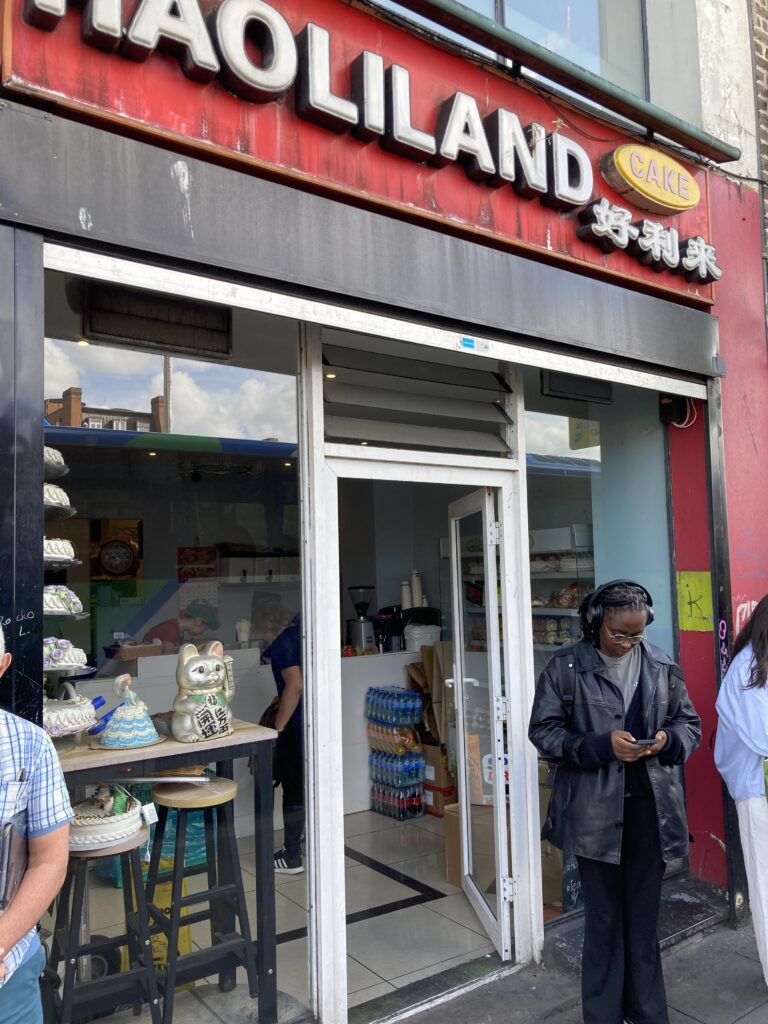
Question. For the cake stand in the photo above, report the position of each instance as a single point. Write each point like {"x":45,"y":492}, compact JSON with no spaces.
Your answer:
{"x":54,"y":471}
{"x":59,"y":511}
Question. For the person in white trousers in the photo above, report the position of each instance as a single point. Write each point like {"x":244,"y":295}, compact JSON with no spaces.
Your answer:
{"x":740,"y":751}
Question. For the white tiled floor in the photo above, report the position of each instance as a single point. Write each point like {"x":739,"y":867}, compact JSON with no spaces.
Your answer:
{"x":387,"y":951}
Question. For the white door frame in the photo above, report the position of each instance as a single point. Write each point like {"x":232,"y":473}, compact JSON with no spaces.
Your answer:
{"x":487,"y":502}
{"x":323,"y":466}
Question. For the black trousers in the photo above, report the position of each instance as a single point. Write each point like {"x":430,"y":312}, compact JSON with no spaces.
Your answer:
{"x":289,"y":769}
{"x":621,"y":975}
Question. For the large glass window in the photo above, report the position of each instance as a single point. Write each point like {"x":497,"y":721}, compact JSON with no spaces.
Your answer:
{"x":597,"y":511}
{"x":603,"y":36}
{"x":171,"y":518}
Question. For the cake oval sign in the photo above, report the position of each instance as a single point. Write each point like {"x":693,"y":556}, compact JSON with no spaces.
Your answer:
{"x":650,"y":179}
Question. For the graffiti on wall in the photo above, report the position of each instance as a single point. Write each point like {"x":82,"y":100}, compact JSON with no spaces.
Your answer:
{"x":744,"y":608}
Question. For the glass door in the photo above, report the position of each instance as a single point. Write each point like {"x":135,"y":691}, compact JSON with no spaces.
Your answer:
{"x":482,"y":762}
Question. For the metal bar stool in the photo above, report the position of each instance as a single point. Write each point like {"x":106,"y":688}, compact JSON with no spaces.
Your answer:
{"x":81,"y":998}
{"x":225,"y":895}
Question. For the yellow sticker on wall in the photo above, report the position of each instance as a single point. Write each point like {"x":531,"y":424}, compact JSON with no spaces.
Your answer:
{"x":694,"y":601}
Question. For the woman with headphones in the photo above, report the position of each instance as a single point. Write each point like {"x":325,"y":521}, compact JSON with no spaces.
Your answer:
{"x":612,"y":712}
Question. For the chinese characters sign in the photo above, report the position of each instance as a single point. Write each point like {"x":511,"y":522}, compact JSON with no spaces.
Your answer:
{"x":330,"y":96}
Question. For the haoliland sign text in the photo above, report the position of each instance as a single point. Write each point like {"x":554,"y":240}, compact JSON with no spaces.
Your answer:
{"x":252,"y":51}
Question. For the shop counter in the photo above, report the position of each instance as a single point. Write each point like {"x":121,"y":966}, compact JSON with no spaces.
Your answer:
{"x":85,"y":765}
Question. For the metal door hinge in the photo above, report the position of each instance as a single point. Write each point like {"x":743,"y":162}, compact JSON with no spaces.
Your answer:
{"x":508,"y":890}
{"x":494,"y":533}
{"x":501,"y":708}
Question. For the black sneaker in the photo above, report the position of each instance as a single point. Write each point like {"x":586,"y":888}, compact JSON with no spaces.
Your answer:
{"x":285,"y":865}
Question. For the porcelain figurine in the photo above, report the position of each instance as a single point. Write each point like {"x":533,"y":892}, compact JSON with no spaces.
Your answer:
{"x":201,"y":708}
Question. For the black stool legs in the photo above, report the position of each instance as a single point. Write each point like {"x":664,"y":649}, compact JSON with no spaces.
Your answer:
{"x":225,"y":896}
{"x":82,"y":999}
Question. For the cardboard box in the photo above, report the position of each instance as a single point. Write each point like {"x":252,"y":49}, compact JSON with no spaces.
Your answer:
{"x":435,"y":800}
{"x":484,"y":867}
{"x":437,"y":774}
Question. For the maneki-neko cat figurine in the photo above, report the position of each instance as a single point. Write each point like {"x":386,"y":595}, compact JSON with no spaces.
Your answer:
{"x":201,"y":708}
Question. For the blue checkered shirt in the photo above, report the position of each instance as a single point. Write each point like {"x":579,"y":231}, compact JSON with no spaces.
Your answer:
{"x":26,"y":751}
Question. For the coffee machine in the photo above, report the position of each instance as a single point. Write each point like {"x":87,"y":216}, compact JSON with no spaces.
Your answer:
{"x":360,"y":630}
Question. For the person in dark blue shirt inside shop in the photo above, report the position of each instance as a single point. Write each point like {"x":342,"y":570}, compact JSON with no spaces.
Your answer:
{"x":280,"y":631}
{"x":612,"y":713}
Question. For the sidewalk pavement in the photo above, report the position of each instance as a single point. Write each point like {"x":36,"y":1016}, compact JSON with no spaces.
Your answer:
{"x":712,"y":978}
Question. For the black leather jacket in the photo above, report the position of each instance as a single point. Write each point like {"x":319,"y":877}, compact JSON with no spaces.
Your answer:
{"x":586,"y":809}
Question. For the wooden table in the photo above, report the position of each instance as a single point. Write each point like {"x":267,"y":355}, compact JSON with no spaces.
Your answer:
{"x":85,"y":765}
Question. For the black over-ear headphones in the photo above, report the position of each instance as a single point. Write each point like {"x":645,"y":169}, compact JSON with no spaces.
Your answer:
{"x":592,"y":611}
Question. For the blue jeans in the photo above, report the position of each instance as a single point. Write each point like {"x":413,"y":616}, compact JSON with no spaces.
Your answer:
{"x":20,"y":996}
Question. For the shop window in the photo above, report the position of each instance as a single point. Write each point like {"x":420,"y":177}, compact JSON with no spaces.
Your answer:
{"x":176,"y":519}
{"x":602,"y":36}
{"x":597,"y":511}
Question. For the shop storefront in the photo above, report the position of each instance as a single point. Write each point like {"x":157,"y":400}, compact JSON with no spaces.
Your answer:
{"x":319,"y":303}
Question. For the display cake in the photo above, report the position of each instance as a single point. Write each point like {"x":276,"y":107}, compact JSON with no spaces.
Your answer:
{"x":108,"y":816}
{"x":61,"y":654}
{"x":57,"y":549}
{"x":60,"y":600}
{"x":130,"y":724}
{"x":55,"y":495}
{"x":65,"y":717}
{"x":53,"y":457}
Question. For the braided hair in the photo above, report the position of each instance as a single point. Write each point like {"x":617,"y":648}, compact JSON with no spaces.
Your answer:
{"x":624,"y":596}
{"x":755,"y":631}
{"x":619,"y":595}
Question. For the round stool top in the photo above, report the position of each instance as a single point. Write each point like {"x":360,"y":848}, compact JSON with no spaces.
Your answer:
{"x":129,"y":843}
{"x":195,"y":794}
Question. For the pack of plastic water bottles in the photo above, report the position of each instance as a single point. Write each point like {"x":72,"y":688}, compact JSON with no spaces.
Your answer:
{"x":396,"y":765}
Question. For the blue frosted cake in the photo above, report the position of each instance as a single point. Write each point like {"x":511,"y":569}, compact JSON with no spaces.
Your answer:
{"x":130,"y":724}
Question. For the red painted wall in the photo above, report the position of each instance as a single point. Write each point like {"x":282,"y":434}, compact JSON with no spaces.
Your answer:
{"x":688,"y":473}
{"x":739,"y":307}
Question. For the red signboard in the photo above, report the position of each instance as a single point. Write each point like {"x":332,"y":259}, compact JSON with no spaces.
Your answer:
{"x":334,"y":97}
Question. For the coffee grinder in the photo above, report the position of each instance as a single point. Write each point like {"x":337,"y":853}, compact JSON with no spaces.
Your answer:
{"x":360,"y":630}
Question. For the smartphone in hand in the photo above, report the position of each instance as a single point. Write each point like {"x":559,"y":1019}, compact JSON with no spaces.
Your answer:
{"x":646,"y":743}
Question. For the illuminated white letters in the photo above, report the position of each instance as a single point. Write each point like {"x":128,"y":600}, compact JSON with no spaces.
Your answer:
{"x":272,"y":32}
{"x":314,"y":99}
{"x":461,"y":137}
{"x":520,"y":154}
{"x":570,"y":173}
{"x":185,"y":31}
{"x":400,"y":136}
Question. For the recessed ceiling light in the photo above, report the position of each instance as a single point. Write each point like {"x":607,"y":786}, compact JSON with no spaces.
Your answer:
{"x":83,"y":341}
{"x":363,"y":442}
{"x":151,"y":454}
{"x":288,"y":464}
{"x":330,"y":376}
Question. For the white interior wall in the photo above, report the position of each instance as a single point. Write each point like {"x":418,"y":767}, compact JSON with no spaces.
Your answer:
{"x":630,"y":520}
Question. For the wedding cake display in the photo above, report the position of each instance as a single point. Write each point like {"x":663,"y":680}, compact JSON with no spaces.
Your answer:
{"x":60,"y":600}
{"x":130,"y":724}
{"x":62,"y":654}
{"x":58,"y":550}
{"x":55,"y":496}
{"x":53,"y":458}
{"x":63,"y":717}
{"x":107,"y":817}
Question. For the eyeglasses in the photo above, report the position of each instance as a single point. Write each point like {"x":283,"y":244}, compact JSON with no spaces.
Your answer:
{"x":635,"y":639}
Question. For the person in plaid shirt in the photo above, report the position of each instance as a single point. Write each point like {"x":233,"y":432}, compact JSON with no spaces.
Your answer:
{"x":31,"y":779}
